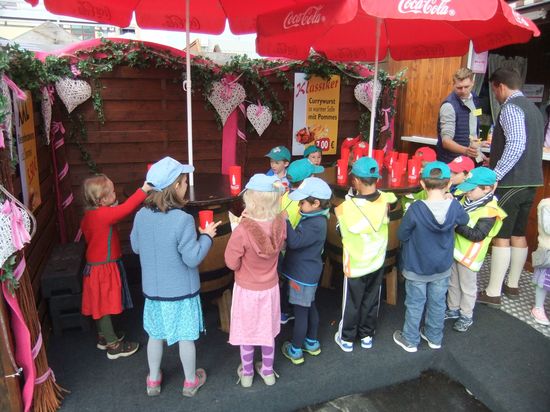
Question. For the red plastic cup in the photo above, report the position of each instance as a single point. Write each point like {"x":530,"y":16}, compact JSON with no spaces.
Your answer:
{"x":341,"y":171}
{"x":344,"y":154}
{"x":235,"y":178}
{"x":205,"y":217}
{"x":378,"y":155}
{"x":414,"y":168}
{"x":403,"y":157}
{"x":149,"y":166}
{"x":391,"y":158}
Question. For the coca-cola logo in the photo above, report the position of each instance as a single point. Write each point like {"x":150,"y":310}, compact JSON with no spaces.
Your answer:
{"x":427,"y":7}
{"x":172,"y":21}
{"x":87,"y":9}
{"x":311,"y":15}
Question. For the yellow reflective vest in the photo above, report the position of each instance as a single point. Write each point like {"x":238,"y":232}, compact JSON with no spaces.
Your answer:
{"x":364,"y":229}
{"x":471,"y":254}
{"x":292,"y":208}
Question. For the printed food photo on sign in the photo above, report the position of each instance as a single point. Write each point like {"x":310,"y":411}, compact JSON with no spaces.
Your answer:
{"x":316,"y":110}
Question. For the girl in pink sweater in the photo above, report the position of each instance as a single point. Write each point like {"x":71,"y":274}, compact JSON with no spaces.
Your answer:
{"x":252,"y":253}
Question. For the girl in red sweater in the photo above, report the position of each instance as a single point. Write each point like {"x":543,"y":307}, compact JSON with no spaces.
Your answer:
{"x":104,"y":287}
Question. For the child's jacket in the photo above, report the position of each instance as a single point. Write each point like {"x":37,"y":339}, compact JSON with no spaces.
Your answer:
{"x":426,"y":245}
{"x":471,"y":254}
{"x":292,"y":208}
{"x":364,"y":229}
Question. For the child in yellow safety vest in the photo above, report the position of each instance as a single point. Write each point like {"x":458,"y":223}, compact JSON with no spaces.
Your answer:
{"x":363,"y":223}
{"x":296,"y":172}
{"x":471,"y":244}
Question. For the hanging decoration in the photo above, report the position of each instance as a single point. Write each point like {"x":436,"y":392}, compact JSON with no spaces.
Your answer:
{"x":363,"y":93}
{"x":15,"y":227}
{"x":47,"y":103}
{"x":73,"y":92}
{"x":259,"y":116}
{"x":226,"y":96}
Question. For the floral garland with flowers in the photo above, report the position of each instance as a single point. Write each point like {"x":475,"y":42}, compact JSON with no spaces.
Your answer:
{"x":90,"y":64}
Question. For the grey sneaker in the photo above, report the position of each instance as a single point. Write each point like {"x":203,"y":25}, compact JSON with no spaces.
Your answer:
{"x":463,"y":324}
{"x":452,"y":314}
{"x":401,"y":341}
{"x":430,"y":343}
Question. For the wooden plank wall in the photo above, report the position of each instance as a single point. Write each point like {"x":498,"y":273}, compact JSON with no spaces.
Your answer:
{"x":145,"y":119}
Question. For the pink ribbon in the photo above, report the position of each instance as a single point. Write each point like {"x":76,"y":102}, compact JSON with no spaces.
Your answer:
{"x":37,"y":346}
{"x":260,"y":109}
{"x":2,"y":144}
{"x":18,"y":272}
{"x":386,"y":119}
{"x":21,"y":95}
{"x":45,"y":376}
{"x":58,"y":127}
{"x":58,"y":142}
{"x":67,"y":201}
{"x":240,"y":133}
{"x":64,"y":171}
{"x":51,"y":93}
{"x":75,"y":70}
{"x":19,"y":234}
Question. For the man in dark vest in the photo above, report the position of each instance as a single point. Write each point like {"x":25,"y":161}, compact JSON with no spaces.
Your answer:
{"x":516,"y":158}
{"x":458,"y":119}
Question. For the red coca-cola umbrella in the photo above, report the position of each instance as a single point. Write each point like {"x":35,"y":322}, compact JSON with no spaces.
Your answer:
{"x":367,"y":30}
{"x":198,"y":16}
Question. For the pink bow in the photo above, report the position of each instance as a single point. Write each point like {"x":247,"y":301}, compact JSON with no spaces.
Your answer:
{"x":228,"y":82}
{"x":50,"y":90}
{"x":75,"y":70}
{"x":58,"y":127}
{"x":21,"y":95}
{"x":260,"y":109}
{"x":19,"y":234}
{"x":386,"y":120}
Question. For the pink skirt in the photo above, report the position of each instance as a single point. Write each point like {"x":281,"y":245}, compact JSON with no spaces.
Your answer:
{"x":255,"y":316}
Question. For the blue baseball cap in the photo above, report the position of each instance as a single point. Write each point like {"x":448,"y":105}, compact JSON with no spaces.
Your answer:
{"x":265,"y":183}
{"x":428,"y":167}
{"x":165,"y":172}
{"x":279,"y":153}
{"x":298,"y":170}
{"x":365,"y":167}
{"x":480,"y":176}
{"x":312,"y":149}
{"x":311,"y":186}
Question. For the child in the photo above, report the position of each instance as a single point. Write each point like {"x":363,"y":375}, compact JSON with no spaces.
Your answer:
{"x":104,"y":287}
{"x":252,"y":253}
{"x":296,"y":173}
{"x":303,"y":264}
{"x":427,"y":154}
{"x":460,"y":167}
{"x":427,"y":236}
{"x":313,"y":154}
{"x":165,"y":238}
{"x":471,"y":244}
{"x":363,"y":223}
{"x":279,"y":159}
{"x":541,"y":263}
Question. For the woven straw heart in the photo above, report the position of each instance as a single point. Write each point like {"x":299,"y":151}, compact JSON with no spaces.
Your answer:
{"x":7,"y":247}
{"x":363,"y":93}
{"x":46,"y":113}
{"x":259,"y":116}
{"x":226,"y":97}
{"x":72,"y":92}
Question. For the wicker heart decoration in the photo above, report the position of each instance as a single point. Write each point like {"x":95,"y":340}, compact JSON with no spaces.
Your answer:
{"x":226,"y":97}
{"x":259,"y":116}
{"x":73,"y":92}
{"x":363,"y":93}
{"x":7,"y":247}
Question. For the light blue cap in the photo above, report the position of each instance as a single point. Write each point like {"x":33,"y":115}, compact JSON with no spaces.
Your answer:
{"x":264,"y":183}
{"x":311,"y":187}
{"x":165,"y":172}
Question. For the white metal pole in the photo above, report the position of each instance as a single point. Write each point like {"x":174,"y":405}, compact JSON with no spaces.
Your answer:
{"x":188,"y":89}
{"x":375,"y":81}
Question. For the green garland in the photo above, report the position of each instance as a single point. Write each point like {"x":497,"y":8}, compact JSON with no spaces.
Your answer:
{"x":30,"y":73}
{"x":7,"y":274}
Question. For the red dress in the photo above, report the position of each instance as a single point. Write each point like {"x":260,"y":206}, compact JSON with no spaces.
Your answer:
{"x":102,"y":287}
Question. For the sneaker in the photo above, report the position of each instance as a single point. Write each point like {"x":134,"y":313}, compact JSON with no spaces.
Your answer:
{"x":463,"y":324}
{"x":122,"y":349}
{"x":493,"y":301}
{"x":296,"y":356}
{"x":190,"y":389}
{"x":286,"y":317}
{"x":269,"y":380}
{"x":539,"y":316}
{"x":511,"y":293}
{"x":452,"y":314}
{"x":430,"y":343}
{"x":312,"y":347}
{"x":102,"y":342}
{"x":153,"y":387}
{"x":344,"y":345}
{"x":401,"y":341}
{"x":245,"y":380}
{"x":366,"y":342}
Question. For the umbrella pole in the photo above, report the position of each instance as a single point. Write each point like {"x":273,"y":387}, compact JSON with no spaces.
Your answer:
{"x":373,"y":112}
{"x":188,"y":89}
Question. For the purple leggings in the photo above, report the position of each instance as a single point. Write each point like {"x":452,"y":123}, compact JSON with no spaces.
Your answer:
{"x":247,"y":359}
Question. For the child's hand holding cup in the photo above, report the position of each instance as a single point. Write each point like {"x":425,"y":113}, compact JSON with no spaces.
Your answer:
{"x":206,"y":225}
